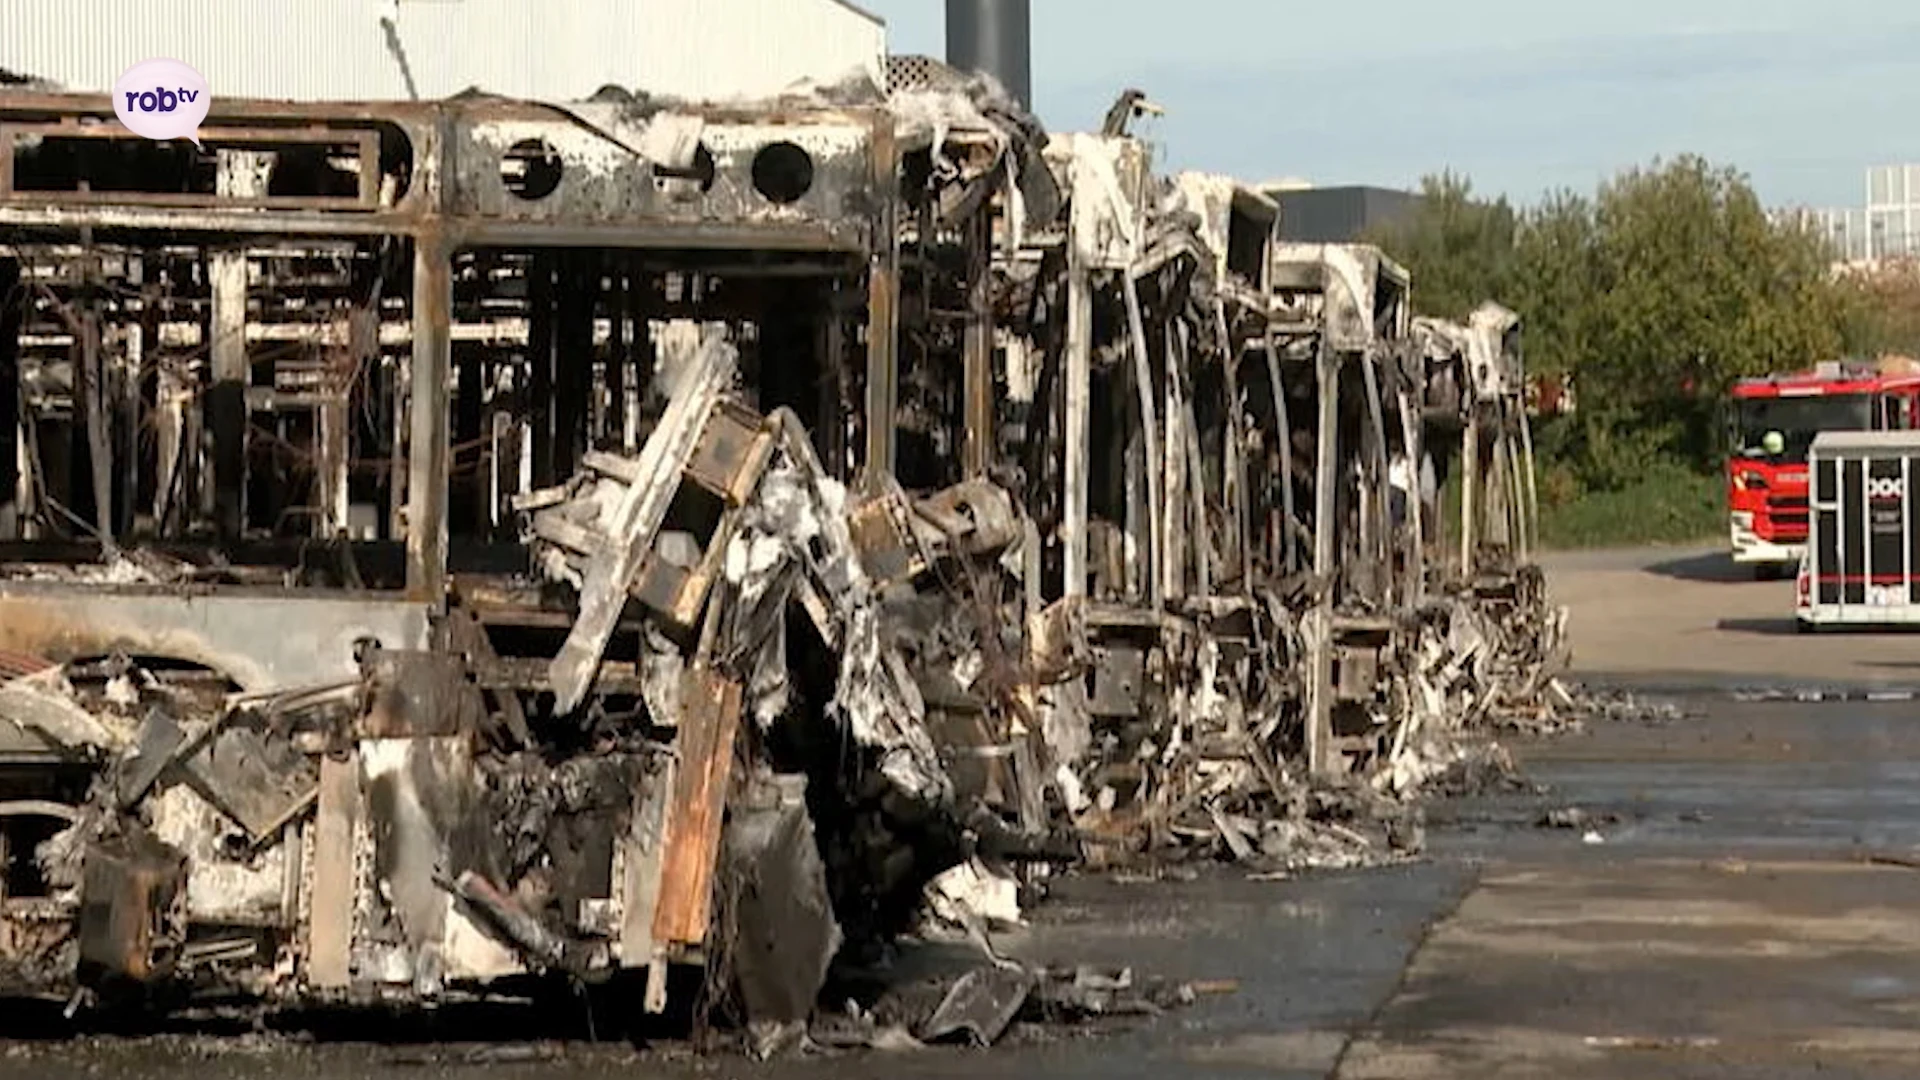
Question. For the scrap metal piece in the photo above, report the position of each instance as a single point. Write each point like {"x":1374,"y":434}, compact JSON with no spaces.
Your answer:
{"x":642,"y":510}
{"x":881,"y":528}
{"x":975,"y":517}
{"x":1356,"y":673}
{"x":254,"y":777}
{"x":521,"y":929}
{"x":417,"y":694}
{"x":422,"y":802}
{"x":643,"y":855}
{"x":781,"y":908}
{"x":732,"y":451}
{"x":43,"y":704}
{"x":130,"y":886}
{"x":467,"y":636}
{"x":227,"y":884}
{"x":981,"y":1005}
{"x":155,"y":745}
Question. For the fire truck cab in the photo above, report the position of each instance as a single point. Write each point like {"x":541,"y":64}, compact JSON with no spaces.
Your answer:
{"x":1773,"y":422}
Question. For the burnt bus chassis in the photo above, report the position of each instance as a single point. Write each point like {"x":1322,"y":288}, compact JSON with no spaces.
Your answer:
{"x":407,"y":230}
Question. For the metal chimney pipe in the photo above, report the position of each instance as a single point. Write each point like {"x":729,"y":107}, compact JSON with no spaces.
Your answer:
{"x":994,"y":37}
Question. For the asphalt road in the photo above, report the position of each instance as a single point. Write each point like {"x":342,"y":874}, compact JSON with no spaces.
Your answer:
{"x":1725,"y":918}
{"x":1690,"y":617}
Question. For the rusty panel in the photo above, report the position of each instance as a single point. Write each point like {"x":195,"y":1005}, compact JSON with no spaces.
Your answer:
{"x":678,"y":592}
{"x":260,"y":781}
{"x":882,"y":533}
{"x":130,"y":883}
{"x":663,"y":587}
{"x":710,"y":717}
{"x":732,"y":452}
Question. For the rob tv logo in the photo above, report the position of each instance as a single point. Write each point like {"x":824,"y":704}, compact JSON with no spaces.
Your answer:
{"x":162,"y":99}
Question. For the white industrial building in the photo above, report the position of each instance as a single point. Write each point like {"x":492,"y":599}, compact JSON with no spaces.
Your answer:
{"x":1887,"y":227}
{"x":385,"y":50}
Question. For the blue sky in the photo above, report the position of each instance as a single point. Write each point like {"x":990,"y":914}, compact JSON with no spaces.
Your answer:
{"x":1521,"y":95}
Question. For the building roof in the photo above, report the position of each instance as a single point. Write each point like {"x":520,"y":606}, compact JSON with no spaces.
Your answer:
{"x":387,"y":50}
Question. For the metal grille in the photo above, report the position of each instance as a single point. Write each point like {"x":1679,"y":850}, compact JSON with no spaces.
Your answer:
{"x":920,"y":73}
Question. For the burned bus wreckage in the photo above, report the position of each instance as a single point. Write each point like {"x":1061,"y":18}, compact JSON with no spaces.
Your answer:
{"x":453,"y":541}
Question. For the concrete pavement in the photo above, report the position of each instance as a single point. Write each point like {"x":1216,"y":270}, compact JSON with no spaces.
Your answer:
{"x":1691,"y":615}
{"x":1726,"y":924}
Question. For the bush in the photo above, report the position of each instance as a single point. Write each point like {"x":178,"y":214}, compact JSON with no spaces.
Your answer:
{"x":1667,"y":505}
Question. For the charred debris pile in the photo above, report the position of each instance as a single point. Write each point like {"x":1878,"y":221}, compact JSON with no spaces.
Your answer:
{"x":453,"y":544}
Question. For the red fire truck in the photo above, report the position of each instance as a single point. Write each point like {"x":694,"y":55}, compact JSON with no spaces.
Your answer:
{"x":1774,"y":420}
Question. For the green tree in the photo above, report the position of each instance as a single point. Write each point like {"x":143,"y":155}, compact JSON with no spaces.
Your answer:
{"x":1690,"y":285}
{"x":1458,"y":248}
{"x":1654,"y":294}
{"x":1883,"y":308}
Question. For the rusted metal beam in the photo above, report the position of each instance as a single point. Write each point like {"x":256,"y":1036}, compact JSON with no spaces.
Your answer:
{"x":91,"y":392}
{"x":1532,"y":515}
{"x":334,"y":420}
{"x":1172,"y":510}
{"x":541,"y":268}
{"x":430,"y":422}
{"x":977,"y":373}
{"x":1414,"y":544}
{"x":710,"y":718}
{"x":1381,"y":546}
{"x":1232,"y":455}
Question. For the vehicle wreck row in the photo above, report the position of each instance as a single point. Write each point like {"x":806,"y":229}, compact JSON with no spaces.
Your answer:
{"x":459,"y":541}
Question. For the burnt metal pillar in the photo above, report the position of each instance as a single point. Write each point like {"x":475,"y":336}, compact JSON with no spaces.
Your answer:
{"x":335,"y":420}
{"x":226,"y":405}
{"x":471,"y":505}
{"x":429,"y":419}
{"x":1469,"y":480}
{"x":620,"y":351}
{"x":977,"y":372}
{"x":540,"y":366}
{"x":573,"y":358}
{"x":1149,"y":424}
{"x":993,"y":37}
{"x":883,"y":305}
{"x":1078,"y":419}
{"x":1319,"y":636}
{"x":12,"y":304}
{"x":1415,"y":542}
{"x":240,"y":174}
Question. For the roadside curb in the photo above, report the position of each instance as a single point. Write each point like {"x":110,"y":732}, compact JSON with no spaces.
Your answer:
{"x":1746,"y":687}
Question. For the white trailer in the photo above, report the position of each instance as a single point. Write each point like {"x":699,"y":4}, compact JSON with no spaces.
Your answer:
{"x":1862,"y":553}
